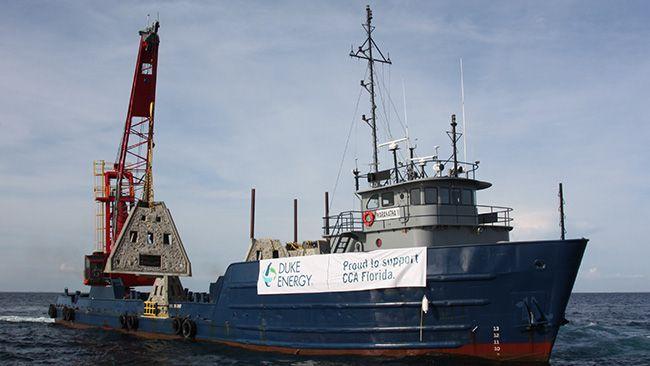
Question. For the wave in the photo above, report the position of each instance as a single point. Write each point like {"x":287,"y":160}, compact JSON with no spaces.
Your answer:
{"x":25,"y":319}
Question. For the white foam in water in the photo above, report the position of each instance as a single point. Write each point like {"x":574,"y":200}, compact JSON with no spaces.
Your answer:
{"x":25,"y":319}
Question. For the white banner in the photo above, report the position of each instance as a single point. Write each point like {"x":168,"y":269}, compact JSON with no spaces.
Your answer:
{"x":388,"y":268}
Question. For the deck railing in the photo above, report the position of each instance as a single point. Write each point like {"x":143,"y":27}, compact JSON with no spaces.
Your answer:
{"x":412,"y":171}
{"x":344,"y":222}
{"x":349,"y":221}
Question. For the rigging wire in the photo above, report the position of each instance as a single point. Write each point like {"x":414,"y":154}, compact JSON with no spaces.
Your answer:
{"x":382,"y":88}
{"x":389,"y":84}
{"x":394,"y":108}
{"x":385,"y":124}
{"x":383,"y":104}
{"x":345,"y":150}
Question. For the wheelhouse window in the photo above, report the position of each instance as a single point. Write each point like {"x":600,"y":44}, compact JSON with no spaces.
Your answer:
{"x":387,"y":199}
{"x":430,"y":196}
{"x":468,"y":197}
{"x":373,"y":202}
{"x":415,"y":196}
{"x":456,"y":196}
{"x":444,"y":196}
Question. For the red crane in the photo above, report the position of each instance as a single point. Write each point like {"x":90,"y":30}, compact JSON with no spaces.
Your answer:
{"x":130,"y":182}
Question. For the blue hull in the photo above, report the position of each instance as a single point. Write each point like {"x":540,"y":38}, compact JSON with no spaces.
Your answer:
{"x":502,"y":301}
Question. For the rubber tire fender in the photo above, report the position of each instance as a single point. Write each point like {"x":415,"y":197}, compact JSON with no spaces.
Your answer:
{"x":67,"y":314}
{"x":177,"y":326}
{"x":132,"y":322}
{"x":52,"y":311}
{"x":70,"y":316}
{"x":189,"y":328}
{"x":123,"y":321}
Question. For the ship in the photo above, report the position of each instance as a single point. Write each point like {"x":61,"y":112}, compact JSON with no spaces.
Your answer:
{"x":419,"y":269}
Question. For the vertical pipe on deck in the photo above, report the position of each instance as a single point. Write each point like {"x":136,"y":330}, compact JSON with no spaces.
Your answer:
{"x":395,"y":164}
{"x":562,"y":228}
{"x":295,"y":220}
{"x":327,"y":213}
{"x":252,"y":234}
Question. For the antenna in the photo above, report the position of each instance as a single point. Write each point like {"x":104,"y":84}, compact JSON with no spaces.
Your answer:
{"x":393,"y":142}
{"x":406,"y":118}
{"x":462,"y":109}
{"x":408,"y":137}
{"x":365,"y":52}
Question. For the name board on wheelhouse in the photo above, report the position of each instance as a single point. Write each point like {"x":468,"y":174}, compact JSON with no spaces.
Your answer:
{"x":388,"y":213}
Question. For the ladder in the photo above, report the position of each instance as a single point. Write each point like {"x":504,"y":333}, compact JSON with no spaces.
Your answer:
{"x":98,"y":191}
{"x":342,"y":243}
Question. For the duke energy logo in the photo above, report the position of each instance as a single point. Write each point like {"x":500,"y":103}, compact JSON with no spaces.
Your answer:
{"x":269,"y":275}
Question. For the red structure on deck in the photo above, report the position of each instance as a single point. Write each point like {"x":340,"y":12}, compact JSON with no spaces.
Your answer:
{"x":129,"y":182}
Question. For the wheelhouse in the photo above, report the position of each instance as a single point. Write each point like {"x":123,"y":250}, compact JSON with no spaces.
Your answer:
{"x":410,"y":205}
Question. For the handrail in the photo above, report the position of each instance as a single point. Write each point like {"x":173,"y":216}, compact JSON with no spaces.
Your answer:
{"x":503,"y":218}
{"x":412,"y":171}
{"x":348,"y":221}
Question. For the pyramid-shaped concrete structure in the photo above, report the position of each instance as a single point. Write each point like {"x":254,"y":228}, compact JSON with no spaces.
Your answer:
{"x":149,"y":244}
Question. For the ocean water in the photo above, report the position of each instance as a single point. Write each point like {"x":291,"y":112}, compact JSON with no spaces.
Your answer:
{"x":605,"y":329}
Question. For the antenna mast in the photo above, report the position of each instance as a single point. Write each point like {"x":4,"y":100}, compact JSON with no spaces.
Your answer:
{"x":454,"y":136}
{"x":462,"y":109}
{"x":365,"y":52}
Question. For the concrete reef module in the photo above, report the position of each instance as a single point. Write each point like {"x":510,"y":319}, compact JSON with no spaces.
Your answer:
{"x":392,"y":262}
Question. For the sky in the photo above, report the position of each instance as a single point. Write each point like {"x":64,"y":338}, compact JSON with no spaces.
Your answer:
{"x":264,"y":94}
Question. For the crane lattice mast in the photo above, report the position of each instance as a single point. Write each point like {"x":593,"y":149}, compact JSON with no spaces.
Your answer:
{"x":130,"y":182}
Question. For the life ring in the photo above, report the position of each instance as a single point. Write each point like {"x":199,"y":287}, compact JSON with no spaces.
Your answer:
{"x":368,"y":218}
{"x":177,"y":326}
{"x":52,"y":311}
{"x":189,"y":329}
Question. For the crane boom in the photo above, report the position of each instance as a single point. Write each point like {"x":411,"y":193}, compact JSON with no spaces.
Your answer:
{"x":137,"y":139}
{"x":130,"y":182}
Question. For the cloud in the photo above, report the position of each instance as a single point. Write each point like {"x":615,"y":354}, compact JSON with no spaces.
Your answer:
{"x":594,"y":274}
{"x":65,"y":267}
